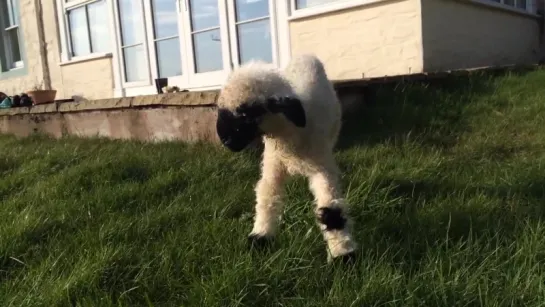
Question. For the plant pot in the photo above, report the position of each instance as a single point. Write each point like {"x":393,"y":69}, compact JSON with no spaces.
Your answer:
{"x":42,"y":96}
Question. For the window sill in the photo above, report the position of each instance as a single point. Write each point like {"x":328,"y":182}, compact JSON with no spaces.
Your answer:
{"x":13,"y":73}
{"x":329,"y":8}
{"x":85,"y":58}
{"x":504,"y":7}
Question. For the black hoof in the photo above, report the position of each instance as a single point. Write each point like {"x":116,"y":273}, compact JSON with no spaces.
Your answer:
{"x":259,"y":242}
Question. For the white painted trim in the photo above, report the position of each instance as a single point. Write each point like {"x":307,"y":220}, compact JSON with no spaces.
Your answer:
{"x":84,"y":58}
{"x":529,"y":11}
{"x":116,"y":59}
{"x":328,"y":8}
{"x":283,"y":33}
{"x":64,"y":56}
{"x":119,"y":48}
{"x":148,"y":33}
{"x":64,"y":35}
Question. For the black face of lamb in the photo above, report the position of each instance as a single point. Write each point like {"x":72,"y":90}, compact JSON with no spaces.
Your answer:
{"x":332,"y":218}
{"x":236,"y":131}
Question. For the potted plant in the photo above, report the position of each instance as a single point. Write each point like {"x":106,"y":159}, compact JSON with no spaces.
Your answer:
{"x":39,"y":95}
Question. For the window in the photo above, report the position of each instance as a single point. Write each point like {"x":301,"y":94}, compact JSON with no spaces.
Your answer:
{"x":166,"y":38}
{"x":253,"y":27}
{"x":87,"y":24}
{"x":133,"y":50}
{"x":9,"y":41}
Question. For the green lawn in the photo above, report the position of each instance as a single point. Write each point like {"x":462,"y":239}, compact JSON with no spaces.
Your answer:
{"x":446,"y":182}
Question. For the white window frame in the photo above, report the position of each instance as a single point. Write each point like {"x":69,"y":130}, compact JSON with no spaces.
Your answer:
{"x":63,"y":6}
{"x":273,"y":20}
{"x":278,"y":16}
{"x":145,"y":44}
{"x":325,"y":8}
{"x":12,"y":65}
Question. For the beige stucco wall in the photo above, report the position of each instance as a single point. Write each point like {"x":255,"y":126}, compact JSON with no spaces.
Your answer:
{"x":458,"y":35}
{"x":29,"y":26}
{"x":91,"y":79}
{"x":377,"y":40}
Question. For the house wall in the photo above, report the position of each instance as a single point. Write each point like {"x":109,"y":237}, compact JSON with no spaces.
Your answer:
{"x":381,"y":39}
{"x":15,"y":82}
{"x":457,"y":35}
{"x":91,"y":79}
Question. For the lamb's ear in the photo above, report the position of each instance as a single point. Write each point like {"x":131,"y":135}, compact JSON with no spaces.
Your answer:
{"x":291,"y":107}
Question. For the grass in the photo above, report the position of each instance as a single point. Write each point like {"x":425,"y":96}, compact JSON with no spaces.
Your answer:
{"x":446,"y":182}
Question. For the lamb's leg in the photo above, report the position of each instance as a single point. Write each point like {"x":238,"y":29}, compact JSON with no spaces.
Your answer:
{"x":269,"y":192}
{"x":331,"y":214}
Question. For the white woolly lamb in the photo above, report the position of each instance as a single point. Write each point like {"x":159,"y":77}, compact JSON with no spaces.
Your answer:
{"x":297,"y":113}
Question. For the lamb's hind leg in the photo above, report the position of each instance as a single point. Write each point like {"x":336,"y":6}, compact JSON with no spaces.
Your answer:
{"x":269,"y":192}
{"x":331,"y":213}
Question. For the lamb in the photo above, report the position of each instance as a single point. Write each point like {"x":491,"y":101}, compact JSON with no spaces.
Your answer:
{"x":297,"y":114}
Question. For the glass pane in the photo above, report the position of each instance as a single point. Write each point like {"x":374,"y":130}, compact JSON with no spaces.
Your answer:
{"x":301,"y":4}
{"x":204,"y":14}
{"x":78,"y":31}
{"x":130,"y":16}
{"x":509,"y":2}
{"x":14,"y":45}
{"x":135,"y":63}
{"x":254,"y":41}
{"x":207,"y":50}
{"x":521,"y":4}
{"x":165,"y":18}
{"x":169,"y":58}
{"x":98,"y":21}
{"x":10,"y":12}
{"x":250,"y":9}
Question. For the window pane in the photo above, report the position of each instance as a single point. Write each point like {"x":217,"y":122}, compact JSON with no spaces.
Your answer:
{"x":78,"y":31}
{"x":13,"y":36}
{"x":250,"y":9}
{"x":165,"y":18}
{"x":169,"y":58}
{"x":509,"y":2}
{"x":301,"y":4}
{"x":135,"y":63}
{"x":521,"y":4}
{"x":130,"y":16}
{"x":207,"y":49}
{"x":254,"y":41}
{"x":98,"y":21}
{"x":204,"y":14}
{"x":10,"y":13}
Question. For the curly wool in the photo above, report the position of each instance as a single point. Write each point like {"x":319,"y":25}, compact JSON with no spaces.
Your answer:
{"x":292,"y":150}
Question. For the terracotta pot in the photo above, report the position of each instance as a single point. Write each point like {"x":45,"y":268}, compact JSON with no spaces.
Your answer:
{"x":42,"y":96}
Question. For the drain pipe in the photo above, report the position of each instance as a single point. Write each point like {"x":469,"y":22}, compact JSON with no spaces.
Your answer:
{"x":43,"y":45}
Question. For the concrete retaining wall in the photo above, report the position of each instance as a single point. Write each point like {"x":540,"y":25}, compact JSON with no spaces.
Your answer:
{"x":187,"y":117}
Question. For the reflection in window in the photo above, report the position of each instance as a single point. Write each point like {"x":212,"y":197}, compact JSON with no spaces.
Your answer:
{"x":132,"y":40}
{"x":205,"y":35}
{"x":88,"y":28}
{"x":253,"y":30}
{"x":167,"y":41}
{"x":10,"y":52}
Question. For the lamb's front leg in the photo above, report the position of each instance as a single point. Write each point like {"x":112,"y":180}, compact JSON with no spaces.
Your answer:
{"x":269,"y":192}
{"x":331,"y":213}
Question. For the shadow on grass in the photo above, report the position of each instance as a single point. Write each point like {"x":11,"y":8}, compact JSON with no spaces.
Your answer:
{"x":432,"y":110}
